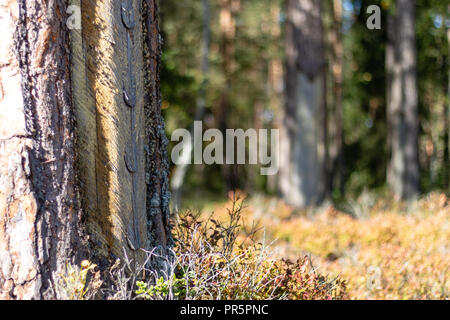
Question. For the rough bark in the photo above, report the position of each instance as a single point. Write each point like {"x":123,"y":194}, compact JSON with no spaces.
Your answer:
{"x":157,"y":160}
{"x":402,"y":96}
{"x":303,"y":156}
{"x":39,"y":215}
{"x":83,"y":152}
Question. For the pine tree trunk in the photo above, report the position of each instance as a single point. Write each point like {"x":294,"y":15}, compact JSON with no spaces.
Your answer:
{"x":402,"y":96}
{"x":179,"y":175}
{"x":83,"y":167}
{"x":446,"y":116}
{"x":303,"y":148}
{"x":276,"y":84}
{"x":336,"y":112}
{"x":228,"y":11}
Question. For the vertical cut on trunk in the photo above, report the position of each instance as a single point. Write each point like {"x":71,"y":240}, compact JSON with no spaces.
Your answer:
{"x":123,"y":167}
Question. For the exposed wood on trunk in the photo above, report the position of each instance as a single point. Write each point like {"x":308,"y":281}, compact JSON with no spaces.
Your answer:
{"x":104,"y":134}
{"x":113,"y":193}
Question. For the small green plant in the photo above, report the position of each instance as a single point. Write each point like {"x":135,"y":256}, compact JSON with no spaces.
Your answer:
{"x":162,"y":288}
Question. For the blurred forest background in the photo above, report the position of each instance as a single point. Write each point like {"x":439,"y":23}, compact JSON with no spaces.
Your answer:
{"x":225,"y":64}
{"x":369,"y":184}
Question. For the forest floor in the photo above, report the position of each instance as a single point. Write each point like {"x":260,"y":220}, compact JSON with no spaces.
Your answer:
{"x":382,"y":249}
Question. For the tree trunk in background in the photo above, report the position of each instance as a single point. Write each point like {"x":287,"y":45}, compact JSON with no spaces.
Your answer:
{"x":276,"y":84}
{"x":447,"y":119}
{"x":228,"y":10}
{"x":303,"y":148}
{"x":402,"y":97}
{"x":336,"y":112}
{"x":77,"y":161}
{"x":179,"y":175}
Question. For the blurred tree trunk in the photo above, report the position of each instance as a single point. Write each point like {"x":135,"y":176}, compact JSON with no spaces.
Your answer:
{"x":81,"y":147}
{"x":402,"y":97}
{"x":336,"y":113}
{"x":275,"y":79}
{"x":181,"y":170}
{"x":228,"y":11}
{"x":303,"y":150}
{"x":447,"y":117}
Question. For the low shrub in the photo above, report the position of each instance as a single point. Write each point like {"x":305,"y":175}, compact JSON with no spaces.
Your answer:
{"x":211,"y":260}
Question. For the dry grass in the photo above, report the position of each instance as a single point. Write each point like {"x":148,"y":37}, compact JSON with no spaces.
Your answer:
{"x":383,"y":249}
{"x":218,"y":259}
{"x":212,"y":259}
{"x":379,"y":250}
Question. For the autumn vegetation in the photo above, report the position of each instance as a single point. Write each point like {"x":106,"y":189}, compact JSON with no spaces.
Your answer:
{"x":347,"y":102}
{"x":382,"y":249}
